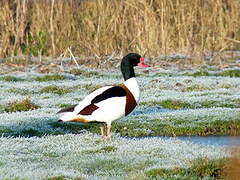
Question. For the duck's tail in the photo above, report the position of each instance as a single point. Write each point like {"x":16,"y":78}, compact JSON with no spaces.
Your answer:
{"x":73,"y":117}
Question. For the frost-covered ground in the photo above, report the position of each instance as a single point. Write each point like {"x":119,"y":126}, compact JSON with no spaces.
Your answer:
{"x":34,"y":146}
{"x":86,"y":155}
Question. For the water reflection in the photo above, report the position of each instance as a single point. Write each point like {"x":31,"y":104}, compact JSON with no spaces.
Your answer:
{"x":213,"y":140}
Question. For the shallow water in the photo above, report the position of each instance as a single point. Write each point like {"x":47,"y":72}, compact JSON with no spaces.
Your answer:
{"x":213,"y":140}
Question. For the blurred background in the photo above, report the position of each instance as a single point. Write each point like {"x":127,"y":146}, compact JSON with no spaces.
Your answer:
{"x":196,"y":28}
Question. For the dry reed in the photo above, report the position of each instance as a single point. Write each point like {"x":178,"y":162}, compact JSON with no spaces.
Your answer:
{"x":100,"y":27}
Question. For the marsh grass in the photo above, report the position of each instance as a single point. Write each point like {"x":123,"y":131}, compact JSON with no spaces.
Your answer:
{"x":180,"y":104}
{"x":181,"y":115}
{"x":195,"y":87}
{"x":178,"y":127}
{"x":174,"y":104}
{"x":212,"y":103}
{"x":24,"y":105}
{"x":30,"y":132}
{"x":4,"y":130}
{"x":105,"y":149}
{"x":54,"y":77}
{"x":10,"y":79}
{"x":55,"y":90}
{"x":117,"y":159}
{"x":18,"y":60}
{"x":155,"y":127}
{"x":104,"y":27}
{"x":107,"y":165}
{"x":226,"y":73}
{"x":74,"y":128}
{"x":64,"y":105}
{"x":168,"y":104}
{"x":20,"y":91}
{"x":91,"y":87}
{"x":85,"y":73}
{"x":204,"y":167}
{"x":230,"y":73}
{"x":59,"y":178}
{"x":198,"y":73}
{"x":1,"y":108}
{"x":33,"y":143}
{"x":199,"y":168}
{"x":16,"y":178}
{"x":165,"y":173}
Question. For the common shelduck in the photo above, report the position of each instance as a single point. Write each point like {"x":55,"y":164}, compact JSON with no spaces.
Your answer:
{"x":109,"y":103}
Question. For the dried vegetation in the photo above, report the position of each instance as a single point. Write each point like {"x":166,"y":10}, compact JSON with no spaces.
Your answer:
{"x":48,"y":28}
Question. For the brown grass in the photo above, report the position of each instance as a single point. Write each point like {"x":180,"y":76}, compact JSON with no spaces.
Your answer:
{"x":99,"y":27}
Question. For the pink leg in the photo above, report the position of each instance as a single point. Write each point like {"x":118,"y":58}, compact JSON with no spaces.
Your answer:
{"x":109,"y":132}
{"x":102,"y":131}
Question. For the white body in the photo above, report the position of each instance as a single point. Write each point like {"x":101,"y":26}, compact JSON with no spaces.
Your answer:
{"x":109,"y":110}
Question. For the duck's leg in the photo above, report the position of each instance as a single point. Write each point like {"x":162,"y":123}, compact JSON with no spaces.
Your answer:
{"x":102,"y":131}
{"x":109,"y":131}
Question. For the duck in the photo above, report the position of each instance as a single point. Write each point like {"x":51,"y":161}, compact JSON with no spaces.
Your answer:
{"x":109,"y":103}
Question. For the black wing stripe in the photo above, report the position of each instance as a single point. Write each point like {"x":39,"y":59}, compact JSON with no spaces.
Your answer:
{"x":67,"y":109}
{"x":115,"y":91}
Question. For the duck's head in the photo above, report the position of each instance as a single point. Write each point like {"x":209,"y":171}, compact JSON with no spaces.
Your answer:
{"x":128,"y":62}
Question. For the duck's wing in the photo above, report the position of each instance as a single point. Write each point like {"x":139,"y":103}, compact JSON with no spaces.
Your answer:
{"x":84,"y":105}
{"x":93,"y":103}
{"x":114,"y":97}
{"x":115,"y":91}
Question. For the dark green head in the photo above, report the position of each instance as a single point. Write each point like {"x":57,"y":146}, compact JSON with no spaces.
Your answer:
{"x":128,"y":62}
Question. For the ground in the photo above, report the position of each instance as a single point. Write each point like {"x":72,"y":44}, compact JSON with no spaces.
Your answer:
{"x":173,"y":103}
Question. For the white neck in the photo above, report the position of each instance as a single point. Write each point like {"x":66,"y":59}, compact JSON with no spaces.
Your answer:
{"x":133,"y":87}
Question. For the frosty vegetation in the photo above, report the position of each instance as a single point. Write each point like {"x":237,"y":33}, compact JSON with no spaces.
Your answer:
{"x":33,"y":145}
